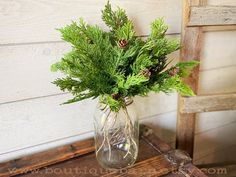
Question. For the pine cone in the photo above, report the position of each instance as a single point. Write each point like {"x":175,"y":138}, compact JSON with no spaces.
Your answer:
{"x":174,"y":71}
{"x":115,"y":96}
{"x":123,"y":43}
{"x":146,"y":72}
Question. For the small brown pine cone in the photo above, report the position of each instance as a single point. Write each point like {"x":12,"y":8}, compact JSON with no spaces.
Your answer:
{"x":123,"y":43}
{"x":146,"y":72}
{"x":115,"y":96}
{"x":174,"y":71}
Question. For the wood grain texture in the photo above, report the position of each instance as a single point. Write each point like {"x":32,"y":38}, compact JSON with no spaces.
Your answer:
{"x":46,"y":158}
{"x":156,"y":166}
{"x":185,"y":132}
{"x":35,"y":21}
{"x":86,"y":165}
{"x":191,"y":40}
{"x":220,"y":3}
{"x":212,"y":15}
{"x":208,"y":103}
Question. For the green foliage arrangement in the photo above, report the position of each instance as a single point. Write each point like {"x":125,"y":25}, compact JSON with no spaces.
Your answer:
{"x":117,"y":64}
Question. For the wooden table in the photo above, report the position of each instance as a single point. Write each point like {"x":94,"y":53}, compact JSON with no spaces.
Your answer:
{"x":156,"y":158}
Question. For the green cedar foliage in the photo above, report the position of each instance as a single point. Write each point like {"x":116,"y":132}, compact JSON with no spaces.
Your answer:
{"x":117,"y":64}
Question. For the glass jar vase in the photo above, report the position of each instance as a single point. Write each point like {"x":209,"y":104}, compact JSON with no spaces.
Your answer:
{"x":116,"y":135}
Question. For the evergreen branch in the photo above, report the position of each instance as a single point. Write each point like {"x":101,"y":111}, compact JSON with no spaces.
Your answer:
{"x":80,"y":97}
{"x":118,"y":64}
{"x":114,"y":19}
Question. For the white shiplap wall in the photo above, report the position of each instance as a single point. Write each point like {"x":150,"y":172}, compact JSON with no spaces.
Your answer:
{"x":31,"y":118}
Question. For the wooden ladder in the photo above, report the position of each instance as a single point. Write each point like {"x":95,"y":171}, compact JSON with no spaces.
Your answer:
{"x":199,"y":17}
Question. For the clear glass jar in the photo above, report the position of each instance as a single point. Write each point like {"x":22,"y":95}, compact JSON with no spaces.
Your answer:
{"x":116,"y":135}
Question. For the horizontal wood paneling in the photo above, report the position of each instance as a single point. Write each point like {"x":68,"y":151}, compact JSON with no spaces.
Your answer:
{"x":215,"y":142}
{"x":218,"y":50}
{"x":156,"y":104}
{"x":27,"y":74}
{"x":35,"y":21}
{"x":221,"y":80}
{"x":25,"y":70}
{"x":213,"y":120}
{"x":43,"y":120}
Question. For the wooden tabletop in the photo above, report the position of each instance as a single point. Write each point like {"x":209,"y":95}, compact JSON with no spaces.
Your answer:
{"x":156,"y":158}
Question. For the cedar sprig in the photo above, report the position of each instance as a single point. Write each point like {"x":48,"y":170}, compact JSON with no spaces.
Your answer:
{"x":117,"y":64}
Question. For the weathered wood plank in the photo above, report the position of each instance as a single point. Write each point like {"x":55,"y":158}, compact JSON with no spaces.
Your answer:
{"x":46,"y":158}
{"x":208,"y":103}
{"x":191,"y":41}
{"x":35,"y":21}
{"x":156,"y":166}
{"x":212,"y":15}
{"x":86,"y":165}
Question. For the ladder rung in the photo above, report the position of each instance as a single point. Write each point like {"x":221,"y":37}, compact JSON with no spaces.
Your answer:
{"x":208,"y":103}
{"x":212,"y":15}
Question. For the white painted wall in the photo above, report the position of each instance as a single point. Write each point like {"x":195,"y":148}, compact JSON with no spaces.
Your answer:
{"x":31,"y":118}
